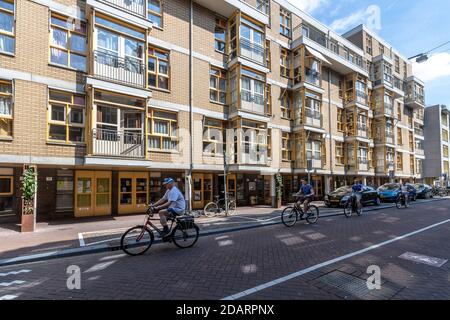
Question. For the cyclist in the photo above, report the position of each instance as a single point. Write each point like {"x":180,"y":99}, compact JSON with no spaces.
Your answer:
{"x":404,"y":191}
{"x":306,"y":194}
{"x":171,"y":204}
{"x":357,"y":189}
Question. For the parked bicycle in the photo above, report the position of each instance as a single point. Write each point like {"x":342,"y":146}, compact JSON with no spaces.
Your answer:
{"x":183,"y":232}
{"x":352,"y":206}
{"x":439,"y":191}
{"x":402,"y":201}
{"x":292,"y":214}
{"x":218,"y":206}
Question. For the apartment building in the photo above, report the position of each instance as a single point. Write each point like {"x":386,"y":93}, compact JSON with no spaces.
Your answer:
{"x":107,"y":97}
{"x":437,"y":128}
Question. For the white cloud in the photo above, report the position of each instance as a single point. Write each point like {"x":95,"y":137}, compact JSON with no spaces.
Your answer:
{"x":437,"y":66}
{"x":308,"y":5}
{"x":371,"y":17}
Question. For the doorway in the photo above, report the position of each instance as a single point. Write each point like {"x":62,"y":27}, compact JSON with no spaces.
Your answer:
{"x":92,"y":193}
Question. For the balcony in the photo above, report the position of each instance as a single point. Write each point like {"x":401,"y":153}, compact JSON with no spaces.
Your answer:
{"x":253,"y":51}
{"x":415,"y":97}
{"x":418,"y":131}
{"x":419,"y":152}
{"x":128,"y":71}
{"x":132,"y":6}
{"x":313,"y":118}
{"x":120,"y":143}
{"x":313,"y":77}
{"x":362,"y":130}
{"x":415,"y":100}
{"x":253,"y":155}
{"x":363,"y":164}
{"x":253,"y":103}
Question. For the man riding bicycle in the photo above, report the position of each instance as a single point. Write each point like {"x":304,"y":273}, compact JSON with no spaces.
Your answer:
{"x":357,"y":189}
{"x":305,"y":194}
{"x":170,"y":205}
{"x":404,"y":191}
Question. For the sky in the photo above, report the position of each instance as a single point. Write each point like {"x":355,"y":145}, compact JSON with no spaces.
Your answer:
{"x":410,"y":26}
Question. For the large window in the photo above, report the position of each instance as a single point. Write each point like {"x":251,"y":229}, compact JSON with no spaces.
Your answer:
{"x":66,"y":117}
{"x":220,"y":35}
{"x":285,"y":22}
{"x":6,"y":109}
{"x":6,"y":191}
{"x":399,"y":161}
{"x":217,"y":85}
{"x":286,"y":146}
{"x":412,"y":164}
{"x":158,"y":68}
{"x":340,"y":120}
{"x":263,"y":6}
{"x":445,"y":135}
{"x":285,"y":63}
{"x":7,"y":26}
{"x":285,"y":104}
{"x":155,"y":12}
{"x":445,"y":151}
{"x":162,"y":130}
{"x":399,"y":136}
{"x":252,"y":41}
{"x":253,"y":91}
{"x":339,"y":153}
{"x":313,"y":150}
{"x":213,"y":137}
{"x":68,"y":42}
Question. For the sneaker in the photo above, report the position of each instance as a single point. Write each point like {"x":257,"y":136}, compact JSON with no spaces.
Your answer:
{"x":164,"y":232}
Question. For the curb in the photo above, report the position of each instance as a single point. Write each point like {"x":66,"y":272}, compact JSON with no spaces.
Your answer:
{"x":109,"y":247}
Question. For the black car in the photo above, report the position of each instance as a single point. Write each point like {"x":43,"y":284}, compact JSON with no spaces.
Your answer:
{"x":423,"y":191}
{"x":340,"y":196}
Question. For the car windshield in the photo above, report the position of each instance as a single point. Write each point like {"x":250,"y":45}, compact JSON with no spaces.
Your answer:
{"x":343,"y":189}
{"x":389,"y":187}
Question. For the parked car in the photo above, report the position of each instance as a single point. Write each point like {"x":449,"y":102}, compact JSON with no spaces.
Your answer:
{"x":340,"y":196}
{"x":390,"y":191}
{"x":423,"y":191}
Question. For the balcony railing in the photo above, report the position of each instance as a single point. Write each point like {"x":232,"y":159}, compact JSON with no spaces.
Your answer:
{"x":420,"y":152}
{"x":129,"y":71}
{"x":118,"y":143}
{"x":253,"y":156}
{"x":253,"y":51}
{"x":419,"y":116}
{"x":415,"y":98}
{"x":312,"y":76}
{"x":390,"y":138}
{"x":132,"y":6}
{"x":418,"y":131}
{"x":253,"y":102}
{"x":313,"y":118}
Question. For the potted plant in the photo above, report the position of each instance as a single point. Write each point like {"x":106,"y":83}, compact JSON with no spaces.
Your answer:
{"x":279,"y":190}
{"x":29,"y":188}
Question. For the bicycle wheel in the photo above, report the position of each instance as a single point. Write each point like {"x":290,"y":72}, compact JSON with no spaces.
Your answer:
{"x":211,"y":209}
{"x":289,"y":217}
{"x":312,"y":215}
{"x":232,"y":207}
{"x":136,"y":241}
{"x":407,"y":202}
{"x":185,"y":237}
{"x":359,"y":209}
{"x":348,"y":209}
{"x":398,"y":203}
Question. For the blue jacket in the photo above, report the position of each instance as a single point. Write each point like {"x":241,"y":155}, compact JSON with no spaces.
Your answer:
{"x":357,"y":187}
{"x":306,"y":190}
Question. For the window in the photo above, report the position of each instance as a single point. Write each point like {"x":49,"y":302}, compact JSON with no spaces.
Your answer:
{"x":158,"y":68}
{"x":334,"y":46}
{"x":253,"y":92}
{"x":6,"y":185}
{"x":252,"y":41}
{"x":285,"y":22}
{"x":340,"y":120}
{"x":411,"y":141}
{"x":220,"y":35}
{"x":285,"y":63}
{"x":217,"y":85}
{"x":340,"y":153}
{"x":341,"y":91}
{"x":285,"y":105}
{"x":399,"y":112}
{"x":405,"y":70}
{"x":7,"y":26}
{"x":66,"y":117}
{"x":286,"y":146}
{"x":162,"y":130}
{"x":369,"y":44}
{"x":444,"y":135}
{"x":381,"y":49}
{"x":446,"y":167}
{"x":397,"y":64}
{"x":254,"y":142}
{"x":6,"y":109}
{"x":68,"y":42}
{"x":399,"y":136}
{"x":155,"y":12}
{"x":399,"y":161}
{"x":411,"y":164}
{"x":313,"y":150}
{"x":213,"y":137}
{"x":445,"y":151}
{"x":263,"y":6}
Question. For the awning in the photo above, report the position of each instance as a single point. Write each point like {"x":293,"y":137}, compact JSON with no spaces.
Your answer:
{"x":317,"y":54}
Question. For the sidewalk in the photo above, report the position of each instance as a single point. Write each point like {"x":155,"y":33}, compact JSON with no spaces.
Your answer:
{"x":61,"y":238}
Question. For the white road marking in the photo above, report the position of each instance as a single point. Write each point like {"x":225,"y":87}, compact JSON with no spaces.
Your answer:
{"x":8,"y":297}
{"x":81,"y":239}
{"x":326,"y":263}
{"x":7,"y":284}
{"x":14,"y":272}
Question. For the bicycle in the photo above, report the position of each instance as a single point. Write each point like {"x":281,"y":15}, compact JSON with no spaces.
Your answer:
{"x":292,"y":214}
{"x":353,"y":206}
{"x":218,"y":206}
{"x":137,"y":240}
{"x":402,"y":201}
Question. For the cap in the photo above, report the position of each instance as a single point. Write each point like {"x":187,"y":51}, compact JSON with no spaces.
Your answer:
{"x":167,"y":180}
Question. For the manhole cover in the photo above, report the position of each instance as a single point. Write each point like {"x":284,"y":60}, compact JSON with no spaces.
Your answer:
{"x":431,"y":261}
{"x":347,"y":283}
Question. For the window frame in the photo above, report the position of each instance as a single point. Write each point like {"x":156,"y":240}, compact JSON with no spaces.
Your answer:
{"x":156,"y":73}
{"x":150,"y":130}
{"x":399,"y":161}
{"x":11,"y":34}
{"x":286,"y":146}
{"x":154,"y":13}
{"x":207,"y":139}
{"x":11,"y":185}
{"x":285,"y":15}
{"x":340,"y":159}
{"x":5,"y":117}
{"x":68,"y":49}
{"x":285,"y":63}
{"x":221,"y":75}
{"x":220,"y":24}
{"x":68,"y":106}
{"x":340,"y":120}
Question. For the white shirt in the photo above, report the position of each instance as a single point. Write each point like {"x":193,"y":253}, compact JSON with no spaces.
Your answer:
{"x":176,"y":199}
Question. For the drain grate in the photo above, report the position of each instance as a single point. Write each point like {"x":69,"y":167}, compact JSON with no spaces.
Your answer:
{"x":347,"y":283}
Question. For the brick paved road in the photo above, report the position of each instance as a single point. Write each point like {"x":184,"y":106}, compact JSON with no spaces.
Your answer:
{"x":227,"y":264}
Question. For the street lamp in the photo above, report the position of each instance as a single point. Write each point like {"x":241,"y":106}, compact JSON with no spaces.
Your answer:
{"x":420,"y":58}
